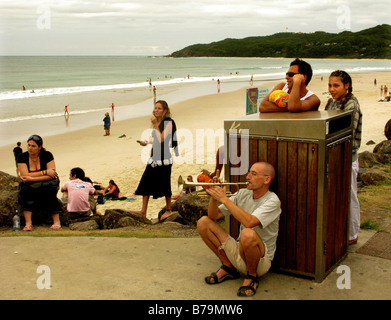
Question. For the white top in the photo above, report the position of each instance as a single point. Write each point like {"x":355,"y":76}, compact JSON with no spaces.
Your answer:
{"x":267,"y":209}
{"x":309,"y":93}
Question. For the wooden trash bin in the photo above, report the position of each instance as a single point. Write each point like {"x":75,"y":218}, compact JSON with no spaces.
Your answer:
{"x":311,"y":153}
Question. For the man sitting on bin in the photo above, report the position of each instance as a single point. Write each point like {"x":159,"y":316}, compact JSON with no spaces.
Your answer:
{"x":258,"y":211}
{"x":293,"y":95}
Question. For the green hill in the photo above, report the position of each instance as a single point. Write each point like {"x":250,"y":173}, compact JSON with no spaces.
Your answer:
{"x":372,"y":43}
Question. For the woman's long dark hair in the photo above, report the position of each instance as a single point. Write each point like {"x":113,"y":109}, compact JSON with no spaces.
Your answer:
{"x":38,"y":140}
{"x":346,"y":79}
{"x":114,"y":184}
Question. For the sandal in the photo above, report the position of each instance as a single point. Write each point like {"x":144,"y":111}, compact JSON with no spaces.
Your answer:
{"x":254,"y":281}
{"x":28,"y":228}
{"x":55,"y":227}
{"x":231,"y":275}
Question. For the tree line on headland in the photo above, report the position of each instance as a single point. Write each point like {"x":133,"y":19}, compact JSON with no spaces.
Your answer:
{"x":373,"y":43}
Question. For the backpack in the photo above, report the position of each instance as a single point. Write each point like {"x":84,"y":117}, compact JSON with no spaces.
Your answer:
{"x":101,"y":199}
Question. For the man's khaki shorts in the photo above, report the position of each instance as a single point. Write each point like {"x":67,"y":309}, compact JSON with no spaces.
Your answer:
{"x":231,"y":249}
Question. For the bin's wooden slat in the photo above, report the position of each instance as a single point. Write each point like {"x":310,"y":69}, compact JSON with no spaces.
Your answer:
{"x":343,"y":201}
{"x":262,"y":150}
{"x":301,"y":216}
{"x":291,"y":205}
{"x":346,"y":200}
{"x":311,"y":207}
{"x":282,"y":189}
{"x":234,"y":150}
{"x":333,"y":173}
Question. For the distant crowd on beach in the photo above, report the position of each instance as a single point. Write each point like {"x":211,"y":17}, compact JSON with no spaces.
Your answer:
{"x":24,"y":89}
{"x":385,"y":96}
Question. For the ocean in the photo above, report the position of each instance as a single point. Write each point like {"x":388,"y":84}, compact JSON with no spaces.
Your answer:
{"x":34,"y":90}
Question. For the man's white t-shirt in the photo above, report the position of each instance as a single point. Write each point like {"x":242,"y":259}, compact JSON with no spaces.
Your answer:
{"x":267,"y":209}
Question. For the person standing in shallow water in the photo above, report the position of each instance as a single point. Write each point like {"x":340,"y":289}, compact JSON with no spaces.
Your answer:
{"x":156,"y":179}
{"x":341,"y":90}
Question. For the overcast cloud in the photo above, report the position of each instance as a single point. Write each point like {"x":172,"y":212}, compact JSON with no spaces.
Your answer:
{"x":152,"y":27}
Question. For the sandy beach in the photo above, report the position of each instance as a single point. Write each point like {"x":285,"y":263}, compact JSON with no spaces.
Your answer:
{"x":121,"y":159}
{"x":144,"y":269}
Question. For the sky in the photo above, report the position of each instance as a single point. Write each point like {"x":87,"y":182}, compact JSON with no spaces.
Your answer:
{"x":156,"y":27}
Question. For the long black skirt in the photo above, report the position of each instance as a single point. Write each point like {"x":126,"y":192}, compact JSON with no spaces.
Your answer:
{"x":39,"y":196}
{"x":156,"y":182}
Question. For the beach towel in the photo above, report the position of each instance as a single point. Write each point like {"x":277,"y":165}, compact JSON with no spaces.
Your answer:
{"x":279,"y":97}
{"x":124,"y":199}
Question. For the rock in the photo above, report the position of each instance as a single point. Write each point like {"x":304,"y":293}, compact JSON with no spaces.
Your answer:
{"x":383,"y":158}
{"x":387,"y":130}
{"x":127,"y":222}
{"x":190,"y":207}
{"x":361,"y":171}
{"x":371,"y":177}
{"x":176,"y":217}
{"x":114,"y":218}
{"x":138,"y":217}
{"x":8,"y":198}
{"x":67,"y":221}
{"x":84,"y":226}
{"x":9,"y":203}
{"x":381,"y":155}
{"x":383,"y":147}
{"x":366,"y":159}
{"x":370,"y":142}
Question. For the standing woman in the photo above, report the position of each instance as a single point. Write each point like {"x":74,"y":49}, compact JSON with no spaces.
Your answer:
{"x":340,"y":88}
{"x":156,"y":179}
{"x":40,"y":183}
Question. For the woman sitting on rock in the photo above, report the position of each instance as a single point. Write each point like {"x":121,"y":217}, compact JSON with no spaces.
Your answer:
{"x":38,"y":190}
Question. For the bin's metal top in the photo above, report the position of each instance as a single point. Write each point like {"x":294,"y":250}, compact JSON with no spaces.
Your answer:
{"x":304,"y":125}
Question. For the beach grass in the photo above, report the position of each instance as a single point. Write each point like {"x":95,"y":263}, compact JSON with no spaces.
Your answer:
{"x":154,"y":231}
{"x":370,"y":225}
{"x":375,"y":203}
{"x":94,"y":234}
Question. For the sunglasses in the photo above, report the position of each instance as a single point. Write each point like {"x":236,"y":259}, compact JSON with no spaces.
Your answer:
{"x":291,"y":74}
{"x":35,"y":138}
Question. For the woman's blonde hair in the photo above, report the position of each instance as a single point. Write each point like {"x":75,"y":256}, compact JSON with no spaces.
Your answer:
{"x":166,"y":109}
